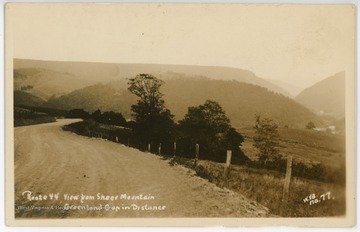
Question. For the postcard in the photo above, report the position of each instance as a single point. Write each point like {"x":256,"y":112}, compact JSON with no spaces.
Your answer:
{"x":180,"y":114}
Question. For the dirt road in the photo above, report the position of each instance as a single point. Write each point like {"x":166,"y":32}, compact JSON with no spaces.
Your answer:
{"x":98,"y":178}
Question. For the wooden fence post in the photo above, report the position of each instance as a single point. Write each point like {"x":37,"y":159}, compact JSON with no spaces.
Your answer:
{"x":286,"y":186}
{"x":197,"y":148}
{"x":117,"y":139}
{"x":149,"y":147}
{"x":228,"y":161}
{"x":174,"y":148}
{"x":128,"y":142}
{"x":160,"y":149}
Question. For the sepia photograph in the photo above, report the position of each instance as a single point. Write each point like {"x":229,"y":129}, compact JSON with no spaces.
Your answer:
{"x":190,"y":114}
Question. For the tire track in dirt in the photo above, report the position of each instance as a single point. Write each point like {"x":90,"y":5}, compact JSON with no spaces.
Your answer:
{"x":50,"y":160}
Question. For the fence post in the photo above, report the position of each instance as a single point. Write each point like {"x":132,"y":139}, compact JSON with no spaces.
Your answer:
{"x":174,"y":148}
{"x":228,"y":161}
{"x":149,"y":147}
{"x":286,"y":186}
{"x":128,"y":142}
{"x":117,"y":139}
{"x":197,"y":148}
{"x":160,"y":149}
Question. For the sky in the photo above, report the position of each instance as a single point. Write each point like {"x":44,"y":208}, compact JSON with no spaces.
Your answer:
{"x":296,"y":44}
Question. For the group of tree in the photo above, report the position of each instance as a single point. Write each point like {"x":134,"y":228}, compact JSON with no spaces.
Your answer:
{"x":206,"y":124}
{"x":209,"y":126}
{"x":108,"y":117}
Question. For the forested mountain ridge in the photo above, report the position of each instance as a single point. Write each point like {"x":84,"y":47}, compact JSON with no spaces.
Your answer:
{"x":241,"y":101}
{"x":104,"y":72}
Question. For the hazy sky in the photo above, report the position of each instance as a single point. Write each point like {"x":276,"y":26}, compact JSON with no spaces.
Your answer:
{"x":298,"y":44}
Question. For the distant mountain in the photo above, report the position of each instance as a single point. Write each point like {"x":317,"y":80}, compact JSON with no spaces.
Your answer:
{"x":27,"y":99}
{"x":292,"y":90}
{"x":45,"y":83}
{"x":69,"y":85}
{"x":241,"y":101}
{"x":326,"y":97}
{"x":104,"y":72}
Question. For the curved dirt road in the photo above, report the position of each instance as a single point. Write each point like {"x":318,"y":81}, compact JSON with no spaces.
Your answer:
{"x":49,"y":160}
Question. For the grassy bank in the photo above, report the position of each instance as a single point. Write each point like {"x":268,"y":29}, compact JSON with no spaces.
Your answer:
{"x":266,"y":187}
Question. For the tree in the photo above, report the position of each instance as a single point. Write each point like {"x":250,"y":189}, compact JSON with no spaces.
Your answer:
{"x":310,"y":125}
{"x":146,"y":86}
{"x":208,"y":126}
{"x":266,"y":139}
{"x":153,"y":122}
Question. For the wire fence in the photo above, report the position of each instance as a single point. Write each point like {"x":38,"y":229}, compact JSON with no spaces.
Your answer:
{"x":287,"y":167}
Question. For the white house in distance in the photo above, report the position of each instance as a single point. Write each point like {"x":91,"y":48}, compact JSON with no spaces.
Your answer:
{"x":331,"y":129}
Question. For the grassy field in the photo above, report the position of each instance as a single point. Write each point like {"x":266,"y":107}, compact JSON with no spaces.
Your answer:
{"x":305,"y":146}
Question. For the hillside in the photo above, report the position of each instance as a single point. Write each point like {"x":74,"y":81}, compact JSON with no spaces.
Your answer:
{"x":326,"y":97}
{"x":105,"y":72}
{"x":292,"y":90}
{"x":46,"y":83}
{"x":241,"y":101}
{"x":91,"y":98}
{"x":27,"y":99}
